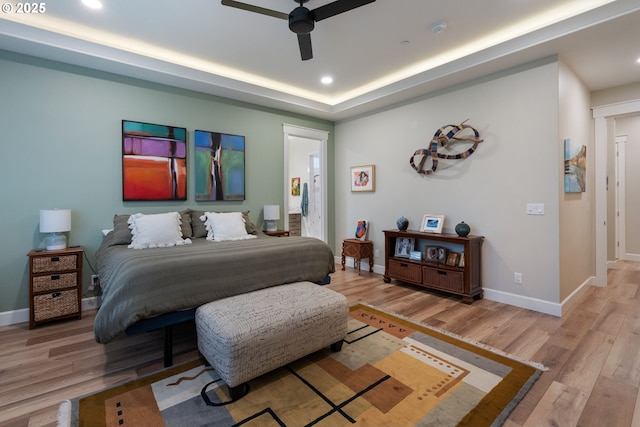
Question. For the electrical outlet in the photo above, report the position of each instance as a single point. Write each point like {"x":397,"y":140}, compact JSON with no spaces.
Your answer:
{"x":517,"y":278}
{"x":95,"y":282}
{"x":535,"y":208}
{"x":376,"y":253}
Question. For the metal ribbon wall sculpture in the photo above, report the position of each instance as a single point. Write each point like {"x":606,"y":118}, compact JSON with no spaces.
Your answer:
{"x":444,"y":137}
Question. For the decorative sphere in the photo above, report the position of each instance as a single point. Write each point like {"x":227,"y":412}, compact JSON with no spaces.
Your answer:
{"x":402,"y":223}
{"x":463,"y":229}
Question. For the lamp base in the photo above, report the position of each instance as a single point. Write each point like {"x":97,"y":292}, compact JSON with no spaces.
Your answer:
{"x":272,"y":225}
{"x":56,"y":241}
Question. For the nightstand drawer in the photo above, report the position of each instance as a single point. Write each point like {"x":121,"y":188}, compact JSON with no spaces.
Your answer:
{"x":54,"y":281}
{"x":55,"y":304}
{"x":43,"y":264}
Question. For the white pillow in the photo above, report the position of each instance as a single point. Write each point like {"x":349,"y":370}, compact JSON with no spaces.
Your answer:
{"x":223,"y":226}
{"x":156,"y":231}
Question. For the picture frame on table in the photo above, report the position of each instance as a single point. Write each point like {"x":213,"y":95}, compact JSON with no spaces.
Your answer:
{"x":431,"y":253}
{"x":404,"y":247}
{"x":432,"y":223}
{"x":452,"y":259}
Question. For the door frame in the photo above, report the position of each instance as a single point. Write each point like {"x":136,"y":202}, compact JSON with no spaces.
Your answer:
{"x":604,"y":128}
{"x":319,"y":135}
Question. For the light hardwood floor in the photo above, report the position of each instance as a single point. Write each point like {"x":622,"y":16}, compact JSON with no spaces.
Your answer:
{"x":592,"y":352}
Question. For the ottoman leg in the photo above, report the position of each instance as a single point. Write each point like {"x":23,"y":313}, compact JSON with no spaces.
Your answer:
{"x":239,"y":391}
{"x":337,"y":346}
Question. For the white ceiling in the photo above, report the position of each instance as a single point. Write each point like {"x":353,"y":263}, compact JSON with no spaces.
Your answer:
{"x":379,"y":54}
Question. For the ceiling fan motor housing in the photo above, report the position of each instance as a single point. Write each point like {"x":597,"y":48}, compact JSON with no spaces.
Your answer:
{"x":301,"y":20}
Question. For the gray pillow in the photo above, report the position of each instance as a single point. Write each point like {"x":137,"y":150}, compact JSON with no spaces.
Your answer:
{"x":121,"y":235}
{"x":185,"y":225}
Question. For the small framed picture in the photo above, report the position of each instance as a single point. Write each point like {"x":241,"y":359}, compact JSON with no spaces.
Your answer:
{"x":363,"y":178}
{"x":415,"y":255}
{"x":362,"y":227}
{"x":461,"y":260}
{"x":404,"y":247}
{"x":442,"y":255}
{"x":452,"y":259}
{"x":432,"y":223}
{"x":431,"y":253}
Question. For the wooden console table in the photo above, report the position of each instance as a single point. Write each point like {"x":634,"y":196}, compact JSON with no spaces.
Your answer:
{"x":357,"y":249}
{"x":462,"y":276}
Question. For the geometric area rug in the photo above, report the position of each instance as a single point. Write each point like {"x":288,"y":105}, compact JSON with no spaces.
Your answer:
{"x":391,"y":371}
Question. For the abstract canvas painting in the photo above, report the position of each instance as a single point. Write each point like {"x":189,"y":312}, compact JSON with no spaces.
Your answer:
{"x":575,"y":167}
{"x":154,"y":162}
{"x":219,"y":170}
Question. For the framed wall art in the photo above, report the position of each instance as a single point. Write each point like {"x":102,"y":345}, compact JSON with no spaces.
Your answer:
{"x":432,"y":223}
{"x":295,"y":186}
{"x":154,"y":162}
{"x":363,"y":178}
{"x":575,"y":167}
{"x":220,"y":166}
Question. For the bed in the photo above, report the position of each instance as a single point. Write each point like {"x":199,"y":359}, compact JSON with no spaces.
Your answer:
{"x":141,"y":286}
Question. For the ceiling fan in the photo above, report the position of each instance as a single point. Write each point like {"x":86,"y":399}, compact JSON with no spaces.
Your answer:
{"x":301,"y":19}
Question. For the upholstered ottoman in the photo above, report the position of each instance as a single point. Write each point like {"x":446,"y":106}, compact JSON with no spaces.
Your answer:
{"x":247,"y":335}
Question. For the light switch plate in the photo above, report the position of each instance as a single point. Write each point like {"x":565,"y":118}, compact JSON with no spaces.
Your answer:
{"x":535,"y":208}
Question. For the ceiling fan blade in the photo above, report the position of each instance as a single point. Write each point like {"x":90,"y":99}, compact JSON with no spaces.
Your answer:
{"x":304,"y":41}
{"x":337,"y":7}
{"x":256,"y":9}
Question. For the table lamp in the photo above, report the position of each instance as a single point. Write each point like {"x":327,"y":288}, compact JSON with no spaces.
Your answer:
{"x":56,"y":222}
{"x":271,"y":216}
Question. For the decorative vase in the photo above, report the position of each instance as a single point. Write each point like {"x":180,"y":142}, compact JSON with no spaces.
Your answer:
{"x":402,"y":223}
{"x":462,"y":229}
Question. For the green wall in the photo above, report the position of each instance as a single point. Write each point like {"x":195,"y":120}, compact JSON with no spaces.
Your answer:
{"x":60,"y":137}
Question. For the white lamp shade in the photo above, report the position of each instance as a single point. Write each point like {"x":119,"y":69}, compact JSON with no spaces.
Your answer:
{"x":271,"y":212}
{"x":55,"y":220}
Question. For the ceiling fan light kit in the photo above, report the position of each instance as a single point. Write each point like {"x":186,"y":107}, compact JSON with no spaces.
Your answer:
{"x":302,"y":20}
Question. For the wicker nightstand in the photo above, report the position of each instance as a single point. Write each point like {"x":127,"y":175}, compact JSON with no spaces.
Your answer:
{"x":55,"y":285}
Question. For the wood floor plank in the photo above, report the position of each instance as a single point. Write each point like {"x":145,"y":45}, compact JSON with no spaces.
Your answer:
{"x":561,"y":405}
{"x":585,"y":364}
{"x":609,"y":400}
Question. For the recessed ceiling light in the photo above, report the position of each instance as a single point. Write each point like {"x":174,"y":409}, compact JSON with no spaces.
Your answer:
{"x":638,"y":60}
{"x":93,"y":4}
{"x":326,"y":80}
{"x":438,"y":27}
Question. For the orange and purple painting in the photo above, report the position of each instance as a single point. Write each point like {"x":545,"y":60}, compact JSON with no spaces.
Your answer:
{"x":154,"y":162}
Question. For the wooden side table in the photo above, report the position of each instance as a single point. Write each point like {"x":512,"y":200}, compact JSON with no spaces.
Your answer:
{"x":55,"y":285}
{"x":277,"y":233}
{"x":357,"y":249}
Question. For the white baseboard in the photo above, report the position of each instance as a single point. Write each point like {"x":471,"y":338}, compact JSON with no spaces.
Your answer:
{"x":22,"y":316}
{"x":535,"y":304}
{"x":522,"y":301}
{"x":631,"y":257}
{"x":349,"y":262}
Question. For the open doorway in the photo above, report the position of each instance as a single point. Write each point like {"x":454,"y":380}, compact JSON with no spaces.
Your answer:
{"x":305,"y":200}
{"x":604,"y":131}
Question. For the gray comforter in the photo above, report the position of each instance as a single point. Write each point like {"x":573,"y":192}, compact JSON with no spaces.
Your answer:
{"x":140,"y":284}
